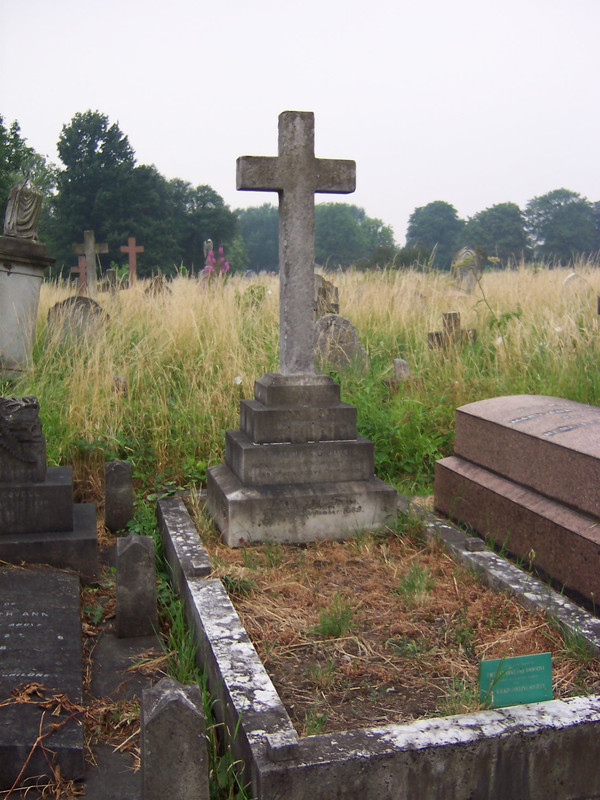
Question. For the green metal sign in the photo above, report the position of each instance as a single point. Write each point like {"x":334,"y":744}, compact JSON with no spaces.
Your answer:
{"x":512,"y":681}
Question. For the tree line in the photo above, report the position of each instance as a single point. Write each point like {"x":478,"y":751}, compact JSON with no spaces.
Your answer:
{"x":99,"y":186}
{"x":555,"y":227}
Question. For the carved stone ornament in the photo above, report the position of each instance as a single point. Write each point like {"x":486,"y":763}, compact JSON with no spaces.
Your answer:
{"x":23,"y":211}
{"x":22,"y":443}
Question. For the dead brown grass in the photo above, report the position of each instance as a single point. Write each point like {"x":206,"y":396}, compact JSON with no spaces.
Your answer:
{"x":416,"y":627}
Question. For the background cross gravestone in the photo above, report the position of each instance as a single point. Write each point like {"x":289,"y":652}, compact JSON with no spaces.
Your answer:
{"x":296,"y":174}
{"x":81,"y":272}
{"x":297,"y":469}
{"x":132,"y":249}
{"x":90,"y":249}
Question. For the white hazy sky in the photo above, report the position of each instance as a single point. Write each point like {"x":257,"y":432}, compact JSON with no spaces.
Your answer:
{"x":475,"y":102}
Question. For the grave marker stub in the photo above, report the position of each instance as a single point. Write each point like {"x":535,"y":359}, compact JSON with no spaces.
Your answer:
{"x":90,"y":249}
{"x":132,"y":249}
{"x":296,"y":174}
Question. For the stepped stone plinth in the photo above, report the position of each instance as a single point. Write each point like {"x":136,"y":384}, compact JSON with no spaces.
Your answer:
{"x":319,"y":484}
{"x":39,"y":522}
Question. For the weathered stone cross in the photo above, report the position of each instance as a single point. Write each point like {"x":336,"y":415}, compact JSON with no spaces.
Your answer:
{"x":131,"y":250}
{"x":296,"y":174}
{"x":80,"y":271}
{"x":90,"y":248}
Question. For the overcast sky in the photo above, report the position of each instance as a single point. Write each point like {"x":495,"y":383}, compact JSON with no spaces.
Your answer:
{"x":475,"y":102}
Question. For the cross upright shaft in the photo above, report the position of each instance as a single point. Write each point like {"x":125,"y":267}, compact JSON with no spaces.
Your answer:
{"x":296,"y":174}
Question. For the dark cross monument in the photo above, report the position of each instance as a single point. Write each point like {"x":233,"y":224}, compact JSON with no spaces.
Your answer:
{"x":131,"y":249}
{"x":80,"y":271}
{"x":296,"y":470}
{"x":90,"y":249}
{"x":451,"y":333}
{"x":295,"y":174}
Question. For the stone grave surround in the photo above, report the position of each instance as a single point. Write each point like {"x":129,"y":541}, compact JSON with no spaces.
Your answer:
{"x":525,"y":473}
{"x":296,"y":470}
{"x":39,"y":523}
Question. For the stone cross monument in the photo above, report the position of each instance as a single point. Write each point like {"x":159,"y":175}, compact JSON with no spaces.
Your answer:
{"x":296,"y":470}
{"x":296,"y":175}
{"x":90,"y":249}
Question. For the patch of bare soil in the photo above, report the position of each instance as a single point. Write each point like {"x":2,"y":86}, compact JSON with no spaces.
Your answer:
{"x":382,"y":629}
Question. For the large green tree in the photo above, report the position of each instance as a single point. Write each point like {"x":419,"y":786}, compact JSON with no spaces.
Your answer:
{"x":260,"y":229}
{"x":499,"y":231}
{"x":437,"y":228}
{"x":561,"y":224}
{"x":345,"y":235}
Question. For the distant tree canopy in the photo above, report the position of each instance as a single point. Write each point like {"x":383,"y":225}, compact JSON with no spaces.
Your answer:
{"x":437,"y":228}
{"x":499,"y":231}
{"x":562,"y":224}
{"x":344,"y":235}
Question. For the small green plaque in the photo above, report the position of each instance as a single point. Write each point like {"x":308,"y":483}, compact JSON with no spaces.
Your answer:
{"x":512,"y":681}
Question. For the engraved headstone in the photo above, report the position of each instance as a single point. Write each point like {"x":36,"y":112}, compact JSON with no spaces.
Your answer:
{"x":317,"y":482}
{"x":525,"y":473}
{"x":136,"y":587}
{"x":40,"y":643}
{"x":173,"y":740}
{"x":39,"y":523}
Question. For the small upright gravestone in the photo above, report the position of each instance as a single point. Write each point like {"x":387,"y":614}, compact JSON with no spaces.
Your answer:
{"x":296,"y":470}
{"x":39,"y":523}
{"x":74,"y":318}
{"x":451,"y":333}
{"x":118,"y":495}
{"x":327,"y":300}
{"x":173,"y":742}
{"x":136,"y":587}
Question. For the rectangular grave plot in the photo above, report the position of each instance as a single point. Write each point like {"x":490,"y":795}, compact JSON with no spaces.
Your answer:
{"x":40,"y":643}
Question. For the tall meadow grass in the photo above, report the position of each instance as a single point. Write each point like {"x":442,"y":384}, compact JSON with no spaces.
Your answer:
{"x":191,"y":353}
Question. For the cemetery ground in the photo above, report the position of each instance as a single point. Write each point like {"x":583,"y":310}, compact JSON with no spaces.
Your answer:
{"x":160,"y":381}
{"x":382,"y":628}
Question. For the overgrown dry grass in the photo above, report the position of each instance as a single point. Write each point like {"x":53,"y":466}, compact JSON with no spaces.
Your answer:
{"x":190,"y":354}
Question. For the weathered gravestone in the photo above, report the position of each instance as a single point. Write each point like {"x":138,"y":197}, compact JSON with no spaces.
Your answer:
{"x":39,"y":523}
{"x":173,"y":743}
{"x":467,"y":268}
{"x":297,"y":470}
{"x":90,"y":249}
{"x":136,"y":587}
{"x":327,"y":299}
{"x":118,"y":494}
{"x":451,"y":334}
{"x":337,"y":344}
{"x":75,"y":318}
{"x":40,"y":644}
{"x":525,"y":473}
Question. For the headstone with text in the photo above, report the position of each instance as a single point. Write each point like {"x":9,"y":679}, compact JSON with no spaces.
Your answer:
{"x":525,"y":473}
{"x":40,"y":644}
{"x":39,"y":523}
{"x":296,"y":470}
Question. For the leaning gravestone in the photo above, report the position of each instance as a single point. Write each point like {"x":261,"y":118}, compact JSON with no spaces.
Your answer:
{"x":525,"y":473}
{"x":40,"y":656}
{"x":337,"y":345}
{"x":118,"y":494}
{"x":39,"y":523}
{"x":327,"y":299}
{"x":297,"y":470}
{"x":75,"y":318}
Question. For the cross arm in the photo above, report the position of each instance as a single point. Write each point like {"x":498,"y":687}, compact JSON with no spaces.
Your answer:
{"x":335,"y":176}
{"x":258,"y":173}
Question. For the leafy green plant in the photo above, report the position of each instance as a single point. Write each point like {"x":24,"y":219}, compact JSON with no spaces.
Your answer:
{"x":315,"y":721}
{"x":240,"y":587}
{"x":460,"y":696}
